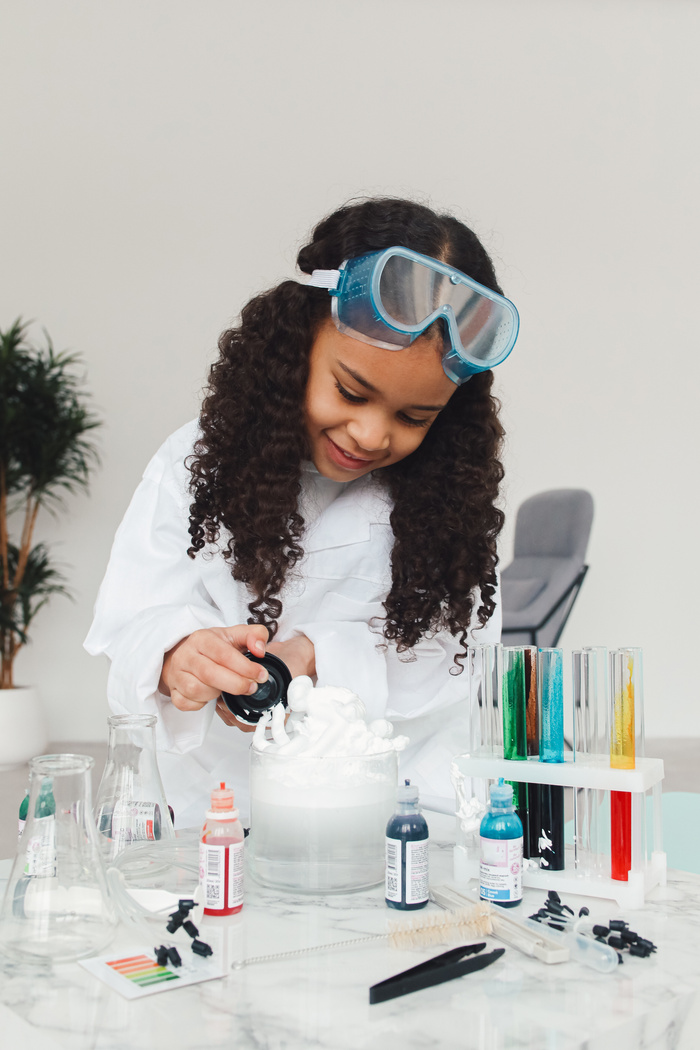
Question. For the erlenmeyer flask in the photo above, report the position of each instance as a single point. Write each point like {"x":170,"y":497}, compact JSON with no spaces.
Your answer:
{"x":56,"y":904}
{"x":130,"y":805}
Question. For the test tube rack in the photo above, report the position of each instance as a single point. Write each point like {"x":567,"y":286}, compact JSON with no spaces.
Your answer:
{"x":578,"y":771}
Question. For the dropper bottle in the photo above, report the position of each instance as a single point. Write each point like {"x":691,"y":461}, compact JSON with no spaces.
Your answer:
{"x":501,"y":832}
{"x":221,"y":855}
{"x":406,"y":884}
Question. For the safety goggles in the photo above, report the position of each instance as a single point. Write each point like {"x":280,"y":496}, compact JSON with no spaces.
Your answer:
{"x":389,"y":298}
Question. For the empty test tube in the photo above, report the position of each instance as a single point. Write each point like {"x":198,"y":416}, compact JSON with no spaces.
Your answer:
{"x":591,"y":739}
{"x":484,"y":662}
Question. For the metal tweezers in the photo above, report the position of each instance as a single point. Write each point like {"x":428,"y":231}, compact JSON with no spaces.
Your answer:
{"x":435,"y":971}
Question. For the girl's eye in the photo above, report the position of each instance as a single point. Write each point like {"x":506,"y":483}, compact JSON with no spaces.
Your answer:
{"x":409,"y":421}
{"x":352,"y":398}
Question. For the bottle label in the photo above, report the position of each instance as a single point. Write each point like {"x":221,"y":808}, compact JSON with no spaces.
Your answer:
{"x":41,"y":849}
{"x":501,"y":869}
{"x":218,"y":895}
{"x":392,"y":882}
{"x":235,"y":873}
{"x":20,"y":827}
{"x":212,"y":868}
{"x":417,"y":885}
{"x":133,"y":822}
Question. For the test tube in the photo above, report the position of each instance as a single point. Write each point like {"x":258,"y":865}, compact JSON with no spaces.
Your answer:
{"x":484,"y":662}
{"x":514,"y":720}
{"x":591,"y":741}
{"x":532,"y":714}
{"x":515,"y":724}
{"x":626,"y":741}
{"x":532,"y":732}
{"x":550,"y":695}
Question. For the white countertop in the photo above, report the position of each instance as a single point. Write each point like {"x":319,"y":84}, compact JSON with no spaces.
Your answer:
{"x":321,"y":1001}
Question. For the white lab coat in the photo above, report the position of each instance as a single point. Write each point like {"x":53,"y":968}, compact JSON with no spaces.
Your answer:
{"x":153,"y":595}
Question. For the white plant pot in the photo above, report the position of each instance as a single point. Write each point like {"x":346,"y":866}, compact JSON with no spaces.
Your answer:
{"x":23,"y":732}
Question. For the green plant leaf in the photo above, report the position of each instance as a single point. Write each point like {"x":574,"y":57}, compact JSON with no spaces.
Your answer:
{"x":41,"y":580}
{"x":45,"y":423}
{"x":46,"y":451}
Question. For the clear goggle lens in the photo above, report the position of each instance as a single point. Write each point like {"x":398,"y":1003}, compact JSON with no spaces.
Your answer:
{"x":411,"y":293}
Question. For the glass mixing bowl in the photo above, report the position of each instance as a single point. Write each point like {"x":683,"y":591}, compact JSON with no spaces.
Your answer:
{"x":318,"y":823}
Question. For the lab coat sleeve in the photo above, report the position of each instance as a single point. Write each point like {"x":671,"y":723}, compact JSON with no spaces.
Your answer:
{"x":151,"y":598}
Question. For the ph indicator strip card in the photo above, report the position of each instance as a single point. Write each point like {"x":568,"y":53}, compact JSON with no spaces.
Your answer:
{"x":137,"y":973}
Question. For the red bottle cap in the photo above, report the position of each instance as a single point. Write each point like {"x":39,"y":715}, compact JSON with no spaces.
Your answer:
{"x":222,"y":798}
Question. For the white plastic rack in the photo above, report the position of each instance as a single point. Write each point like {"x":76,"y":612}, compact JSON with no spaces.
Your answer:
{"x":580,"y":771}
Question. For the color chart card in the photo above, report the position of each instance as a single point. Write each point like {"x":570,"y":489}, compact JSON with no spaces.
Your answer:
{"x":136,"y":973}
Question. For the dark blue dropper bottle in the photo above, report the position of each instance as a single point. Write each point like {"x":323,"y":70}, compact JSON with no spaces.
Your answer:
{"x":406,"y":885}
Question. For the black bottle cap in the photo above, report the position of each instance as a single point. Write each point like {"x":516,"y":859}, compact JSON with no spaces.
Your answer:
{"x":250,"y":707}
{"x":190,"y":928}
{"x":201,"y":948}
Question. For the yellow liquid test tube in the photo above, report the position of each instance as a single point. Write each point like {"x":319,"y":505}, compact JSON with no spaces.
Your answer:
{"x":622,"y":722}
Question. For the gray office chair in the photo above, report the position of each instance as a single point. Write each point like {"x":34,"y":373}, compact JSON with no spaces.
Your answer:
{"x":541,"y":584}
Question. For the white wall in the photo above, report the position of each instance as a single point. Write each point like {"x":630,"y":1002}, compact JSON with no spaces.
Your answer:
{"x":161,"y":161}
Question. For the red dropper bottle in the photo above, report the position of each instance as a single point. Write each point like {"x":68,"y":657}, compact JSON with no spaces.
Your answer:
{"x":221,"y":855}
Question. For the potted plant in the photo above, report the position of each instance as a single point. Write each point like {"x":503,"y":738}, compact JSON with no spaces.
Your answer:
{"x":45,"y":453}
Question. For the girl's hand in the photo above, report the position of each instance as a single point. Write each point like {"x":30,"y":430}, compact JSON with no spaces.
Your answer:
{"x":298,"y":653}
{"x":211,"y":661}
{"x":300,"y":657}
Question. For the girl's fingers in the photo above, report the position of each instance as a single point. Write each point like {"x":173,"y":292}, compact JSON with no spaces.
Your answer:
{"x":184,"y":703}
{"x":218,"y":678}
{"x":211,"y":661}
{"x":230,"y":719}
{"x":247,"y":636}
{"x":216,"y":646}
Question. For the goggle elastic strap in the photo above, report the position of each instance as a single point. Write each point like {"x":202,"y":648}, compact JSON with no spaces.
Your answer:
{"x":324,"y":279}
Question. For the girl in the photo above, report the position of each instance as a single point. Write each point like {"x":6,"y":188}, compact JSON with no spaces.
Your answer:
{"x":334,"y":504}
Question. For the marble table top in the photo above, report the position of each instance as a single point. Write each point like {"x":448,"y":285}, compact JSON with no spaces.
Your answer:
{"x":321,"y":1001}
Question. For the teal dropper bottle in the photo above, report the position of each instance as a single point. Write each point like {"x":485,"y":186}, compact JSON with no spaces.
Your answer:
{"x":500,"y":875}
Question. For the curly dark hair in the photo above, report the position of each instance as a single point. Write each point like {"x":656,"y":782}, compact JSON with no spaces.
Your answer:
{"x":247,"y":464}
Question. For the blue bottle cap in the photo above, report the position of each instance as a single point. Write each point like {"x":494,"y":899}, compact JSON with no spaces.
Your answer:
{"x":502,"y":794}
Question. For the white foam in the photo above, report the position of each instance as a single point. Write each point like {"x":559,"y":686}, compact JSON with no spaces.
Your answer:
{"x":324,"y":721}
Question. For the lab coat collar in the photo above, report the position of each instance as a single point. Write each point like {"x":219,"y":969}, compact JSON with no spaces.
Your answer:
{"x":361,"y":504}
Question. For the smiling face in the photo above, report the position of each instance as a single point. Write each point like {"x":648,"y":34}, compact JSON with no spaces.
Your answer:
{"x":366,"y":407}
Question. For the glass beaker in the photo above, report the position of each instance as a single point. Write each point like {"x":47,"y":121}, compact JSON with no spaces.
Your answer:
{"x":318,"y":822}
{"x":56,"y":904}
{"x":130,"y":805}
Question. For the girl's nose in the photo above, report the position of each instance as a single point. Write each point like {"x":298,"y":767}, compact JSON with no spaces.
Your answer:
{"x":370,"y":432}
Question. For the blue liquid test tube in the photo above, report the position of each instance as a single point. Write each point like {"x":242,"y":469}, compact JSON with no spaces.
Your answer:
{"x":550,"y":697}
